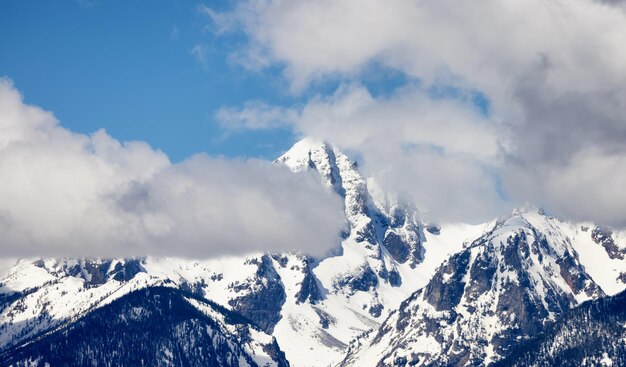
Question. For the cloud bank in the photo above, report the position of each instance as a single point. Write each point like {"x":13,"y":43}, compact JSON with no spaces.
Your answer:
{"x":69,"y":194}
{"x":552,"y":71}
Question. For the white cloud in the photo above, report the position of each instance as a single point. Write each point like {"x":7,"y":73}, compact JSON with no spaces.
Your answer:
{"x":407,"y":117}
{"x":410,"y":143}
{"x":489,"y":43}
{"x":64,"y":193}
{"x":553,"y":71}
{"x":438,"y":152}
{"x":590,"y":186}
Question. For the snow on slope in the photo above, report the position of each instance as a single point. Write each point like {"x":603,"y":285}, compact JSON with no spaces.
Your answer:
{"x":6,"y":265}
{"x":37,"y":296}
{"x":504,"y":288}
{"x":609,"y":271}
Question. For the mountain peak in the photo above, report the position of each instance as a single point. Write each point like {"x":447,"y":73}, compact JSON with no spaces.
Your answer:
{"x":506,"y":287}
{"x":298,"y":157}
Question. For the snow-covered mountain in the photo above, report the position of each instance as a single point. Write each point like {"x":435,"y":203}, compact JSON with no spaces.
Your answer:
{"x":382,"y":260}
{"x":386,"y":268}
{"x":508,"y":286}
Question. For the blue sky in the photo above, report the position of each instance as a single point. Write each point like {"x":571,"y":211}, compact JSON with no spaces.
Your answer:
{"x":133,"y":71}
{"x":121,"y":66}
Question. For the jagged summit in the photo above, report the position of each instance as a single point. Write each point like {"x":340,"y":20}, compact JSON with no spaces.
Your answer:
{"x":298,"y":157}
{"x":321,"y":157}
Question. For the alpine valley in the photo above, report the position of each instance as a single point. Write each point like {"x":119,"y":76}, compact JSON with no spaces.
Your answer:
{"x":526,"y":289}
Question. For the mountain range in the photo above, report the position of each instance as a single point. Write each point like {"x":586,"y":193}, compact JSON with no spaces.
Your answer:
{"x":524,"y":289}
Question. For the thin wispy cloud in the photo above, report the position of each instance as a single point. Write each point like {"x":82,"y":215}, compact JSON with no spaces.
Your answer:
{"x":255,"y":115}
{"x":199,"y":52}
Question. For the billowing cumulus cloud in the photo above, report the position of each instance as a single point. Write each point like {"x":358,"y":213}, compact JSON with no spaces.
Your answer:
{"x":491,"y":43}
{"x":64,"y":193}
{"x":411,"y":144}
{"x":552,"y":71}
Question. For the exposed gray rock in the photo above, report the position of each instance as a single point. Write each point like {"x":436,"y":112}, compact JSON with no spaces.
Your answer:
{"x":604,"y":237}
{"x":397,"y":248}
{"x":309,"y":288}
{"x":264,"y":296}
{"x":363,"y":280}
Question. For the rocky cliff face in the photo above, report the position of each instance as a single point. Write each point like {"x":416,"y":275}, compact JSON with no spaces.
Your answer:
{"x":506,"y":287}
{"x":264,"y":297}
